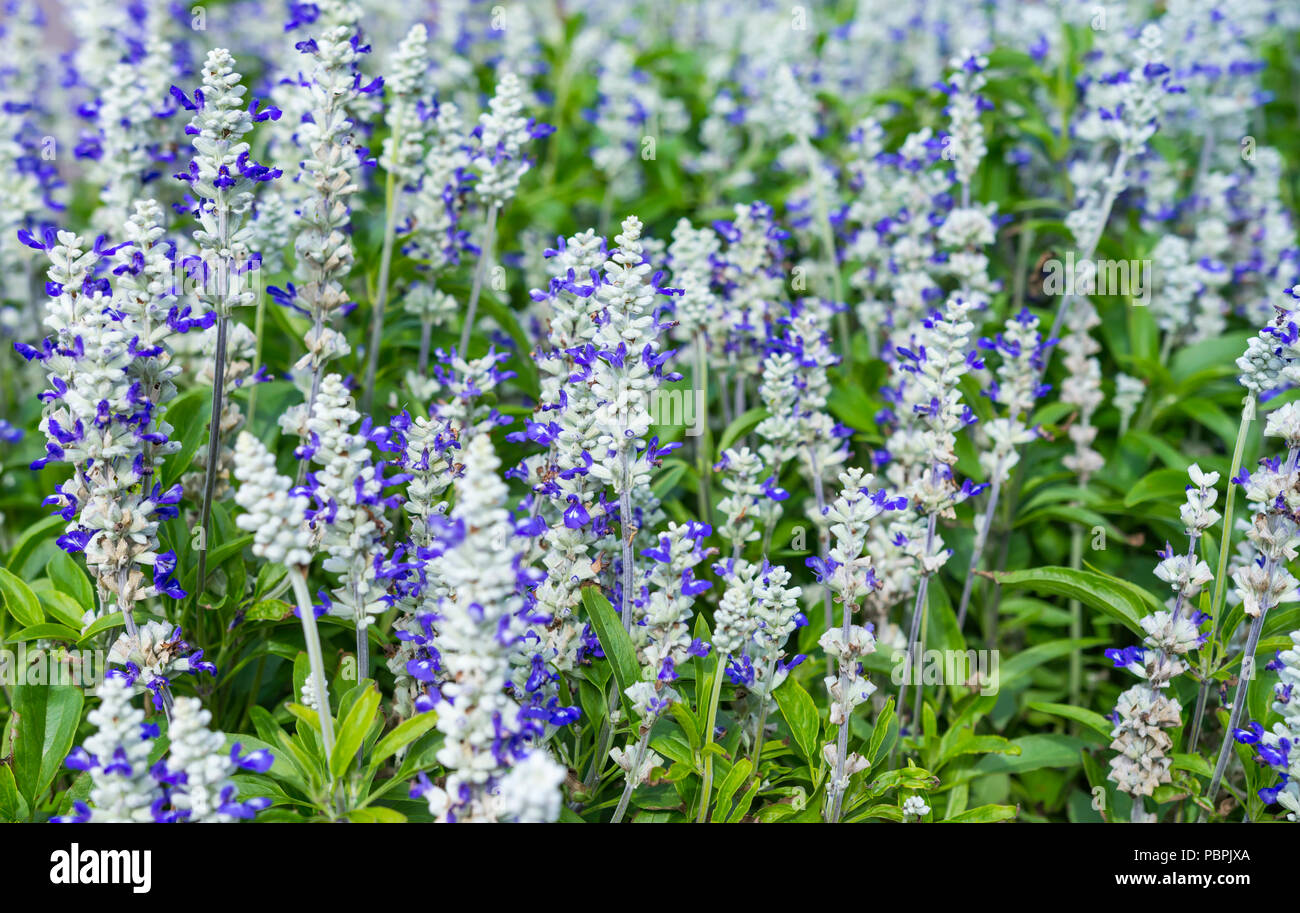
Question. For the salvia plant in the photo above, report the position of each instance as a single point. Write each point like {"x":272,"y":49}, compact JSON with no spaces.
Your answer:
{"x":607,"y":413}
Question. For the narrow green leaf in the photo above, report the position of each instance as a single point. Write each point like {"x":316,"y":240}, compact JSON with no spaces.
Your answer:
{"x":108,"y":622}
{"x":46,"y":631}
{"x":740,"y":426}
{"x":1098,"y":591}
{"x":985,"y":814}
{"x":1091,"y":719}
{"x":727,"y":790}
{"x":402,"y":735}
{"x":352,"y":731}
{"x":62,"y":607}
{"x":28,"y":541}
{"x":613,"y":639}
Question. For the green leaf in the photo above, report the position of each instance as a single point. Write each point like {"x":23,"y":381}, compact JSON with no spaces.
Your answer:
{"x":878,"y":733}
{"x":801,"y":716}
{"x":613,"y":639}
{"x":376,"y":814}
{"x":216,"y":557}
{"x":48,"y":717}
{"x":1161,"y":484}
{"x":1036,"y":751}
{"x":10,"y":801}
{"x":189,"y":412}
{"x":740,"y":426}
{"x":1102,"y":592}
{"x":69,"y":578}
{"x":1192,"y":763}
{"x":352,"y":731}
{"x":402,"y":735}
{"x":29,"y":540}
{"x":108,"y":622}
{"x":62,"y":607}
{"x":269,"y":610}
{"x":985,"y":814}
{"x":727,"y":790}
{"x":20,"y":600}
{"x":46,"y":631}
{"x":1094,"y":721}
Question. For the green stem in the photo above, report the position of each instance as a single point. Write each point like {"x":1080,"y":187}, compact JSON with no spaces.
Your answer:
{"x":1076,"y":619}
{"x":1221,"y":578}
{"x":638,"y":760}
{"x":385,"y":264}
{"x":711,"y":723}
{"x":315,"y":658}
{"x":704,"y":442}
{"x":477,"y":288}
{"x":258,"y":322}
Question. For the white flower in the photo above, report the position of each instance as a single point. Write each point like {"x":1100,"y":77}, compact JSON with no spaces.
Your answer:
{"x":915,"y":807}
{"x":274,"y":517}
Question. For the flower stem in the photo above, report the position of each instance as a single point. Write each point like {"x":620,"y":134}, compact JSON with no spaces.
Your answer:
{"x":977,"y":553}
{"x":711,"y":722}
{"x":385,"y":264}
{"x":704,"y":442}
{"x":1076,"y":619}
{"x":214,"y":456}
{"x":477,"y":288}
{"x":315,"y":658}
{"x":258,"y":322}
{"x":1238,"y":700}
{"x":638,"y":760}
{"x":1221,"y":578}
{"x":912,"y":656}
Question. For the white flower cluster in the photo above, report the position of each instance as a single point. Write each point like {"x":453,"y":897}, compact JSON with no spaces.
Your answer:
{"x":1270,"y":359}
{"x":1082,"y":387}
{"x":408,"y":87}
{"x":755,"y":617}
{"x":745,"y":501}
{"x":1278,"y":747}
{"x":350,"y":524}
{"x":1265,"y":583}
{"x":323,"y":246}
{"x":198,"y":754}
{"x":275,"y":517}
{"x":503,"y":132}
{"x":623,"y":381}
{"x":936,"y":362}
{"x":661,"y":630}
{"x":850,"y":576}
{"x":479,"y":622}
{"x":965,"y":148}
{"x":222,"y":178}
{"x":1145,"y":711}
{"x":109,"y":365}
{"x":122,"y":788}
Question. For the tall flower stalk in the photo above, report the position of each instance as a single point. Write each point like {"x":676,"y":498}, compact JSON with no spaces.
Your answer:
{"x":1146,"y":710}
{"x":277,"y":518}
{"x":221,"y":176}
{"x":1265,"y":583}
{"x":848,"y":573}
